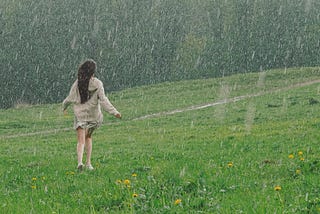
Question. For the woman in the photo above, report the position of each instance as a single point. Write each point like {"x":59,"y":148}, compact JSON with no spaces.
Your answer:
{"x":87,"y":95}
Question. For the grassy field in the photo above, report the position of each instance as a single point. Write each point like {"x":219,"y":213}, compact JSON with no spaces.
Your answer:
{"x":258,"y":154}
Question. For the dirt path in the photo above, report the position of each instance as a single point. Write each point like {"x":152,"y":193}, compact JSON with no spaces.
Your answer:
{"x":227,"y":100}
{"x":191,"y":108}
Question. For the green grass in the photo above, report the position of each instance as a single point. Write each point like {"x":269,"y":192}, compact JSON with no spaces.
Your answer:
{"x":226,"y":158}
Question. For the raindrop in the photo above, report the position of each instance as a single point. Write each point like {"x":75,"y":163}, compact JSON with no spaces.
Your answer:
{"x":308,"y":5}
{"x":261,"y":80}
{"x":299,"y":42}
{"x":197,"y":62}
{"x":250,"y":117}
{"x":280,"y":10}
{"x":73,"y":42}
{"x":284,"y":105}
{"x":253,"y":54}
{"x":220,"y":111}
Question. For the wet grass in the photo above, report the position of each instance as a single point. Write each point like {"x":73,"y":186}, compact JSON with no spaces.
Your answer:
{"x":257,"y":155}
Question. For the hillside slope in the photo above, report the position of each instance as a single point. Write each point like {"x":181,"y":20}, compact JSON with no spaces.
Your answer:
{"x":258,"y":141}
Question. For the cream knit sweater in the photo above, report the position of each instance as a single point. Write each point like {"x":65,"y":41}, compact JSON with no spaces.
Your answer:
{"x":91,"y":110}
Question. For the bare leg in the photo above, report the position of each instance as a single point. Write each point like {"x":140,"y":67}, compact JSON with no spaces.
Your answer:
{"x":88,"y":148}
{"x":81,"y":133}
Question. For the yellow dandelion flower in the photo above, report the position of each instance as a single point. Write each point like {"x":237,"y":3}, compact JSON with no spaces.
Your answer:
{"x":33,"y":187}
{"x":178,"y":201}
{"x":298,"y":171}
{"x":291,"y":156}
{"x":118,"y":181}
{"x":134,"y":175}
{"x":71,"y":173}
{"x":126,"y":182}
{"x":34,"y":179}
{"x":134,"y":195}
{"x":300,"y":153}
{"x":277,"y":188}
{"x":302,"y":159}
{"x":230,"y":164}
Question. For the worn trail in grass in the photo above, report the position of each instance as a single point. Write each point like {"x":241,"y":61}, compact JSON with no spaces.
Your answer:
{"x":191,"y":108}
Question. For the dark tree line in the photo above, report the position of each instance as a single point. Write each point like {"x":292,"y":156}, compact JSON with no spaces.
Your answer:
{"x":142,"y":42}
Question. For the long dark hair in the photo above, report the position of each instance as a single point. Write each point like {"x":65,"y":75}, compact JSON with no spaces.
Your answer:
{"x":85,"y":72}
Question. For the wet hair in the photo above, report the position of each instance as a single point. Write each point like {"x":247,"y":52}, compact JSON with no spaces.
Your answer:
{"x":85,"y":72}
